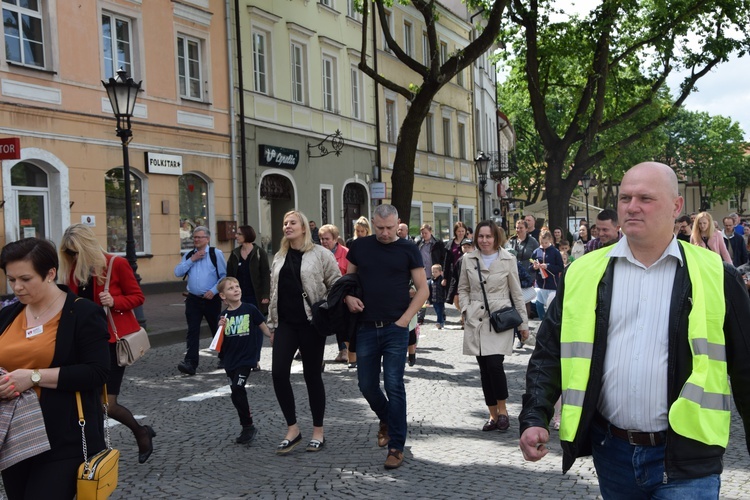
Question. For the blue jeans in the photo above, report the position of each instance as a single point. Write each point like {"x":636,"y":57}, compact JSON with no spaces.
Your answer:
{"x":389,"y":344}
{"x":630,"y":472}
{"x":542,"y":296}
{"x":440,"y":312}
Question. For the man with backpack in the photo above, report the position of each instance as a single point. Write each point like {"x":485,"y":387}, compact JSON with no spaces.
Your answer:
{"x":204,"y":267}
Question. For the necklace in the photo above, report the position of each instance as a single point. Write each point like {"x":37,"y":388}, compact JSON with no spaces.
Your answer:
{"x":47,"y":309}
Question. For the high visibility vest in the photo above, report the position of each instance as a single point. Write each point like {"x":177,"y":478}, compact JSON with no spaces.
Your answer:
{"x":701,"y":412}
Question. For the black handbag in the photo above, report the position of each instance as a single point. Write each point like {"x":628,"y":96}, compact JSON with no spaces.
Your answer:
{"x":503,"y":319}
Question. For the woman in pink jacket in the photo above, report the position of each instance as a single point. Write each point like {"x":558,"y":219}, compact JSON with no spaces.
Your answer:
{"x":705,"y":235}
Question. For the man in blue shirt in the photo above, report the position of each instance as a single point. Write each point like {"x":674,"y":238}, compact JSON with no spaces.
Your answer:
{"x":204,"y":267}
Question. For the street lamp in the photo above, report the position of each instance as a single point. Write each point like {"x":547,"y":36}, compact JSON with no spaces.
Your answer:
{"x":586,"y":184}
{"x":482,"y":162}
{"x":122,"y":92}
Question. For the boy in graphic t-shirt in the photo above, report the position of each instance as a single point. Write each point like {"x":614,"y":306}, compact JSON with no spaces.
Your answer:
{"x":240,"y":321}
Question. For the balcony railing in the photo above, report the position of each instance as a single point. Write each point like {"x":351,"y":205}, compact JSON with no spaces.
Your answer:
{"x":502,"y":164}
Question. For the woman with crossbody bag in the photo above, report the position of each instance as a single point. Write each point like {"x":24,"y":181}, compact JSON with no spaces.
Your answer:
{"x":302,"y":273}
{"x":84,"y":268}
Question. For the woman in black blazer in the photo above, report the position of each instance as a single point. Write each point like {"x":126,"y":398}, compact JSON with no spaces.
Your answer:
{"x":55,"y":343}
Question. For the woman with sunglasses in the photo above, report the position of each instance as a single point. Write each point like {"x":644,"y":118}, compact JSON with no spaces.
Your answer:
{"x":83,"y":267}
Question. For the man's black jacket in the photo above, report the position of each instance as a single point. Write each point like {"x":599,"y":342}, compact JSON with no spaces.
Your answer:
{"x":338,"y":317}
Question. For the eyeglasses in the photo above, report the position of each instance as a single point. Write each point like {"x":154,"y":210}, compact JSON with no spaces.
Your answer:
{"x":199,"y":237}
{"x":70,"y":252}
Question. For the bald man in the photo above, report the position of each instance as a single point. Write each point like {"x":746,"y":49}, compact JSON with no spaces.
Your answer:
{"x":639,"y":341}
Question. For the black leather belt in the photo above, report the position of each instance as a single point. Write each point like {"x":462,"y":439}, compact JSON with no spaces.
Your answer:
{"x":633,"y":437}
{"x":376,"y":324}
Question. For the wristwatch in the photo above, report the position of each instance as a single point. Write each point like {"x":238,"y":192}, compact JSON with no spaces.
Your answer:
{"x":36,"y":378}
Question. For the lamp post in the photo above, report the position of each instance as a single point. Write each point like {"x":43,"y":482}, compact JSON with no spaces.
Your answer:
{"x":586,"y":184}
{"x":482,"y":162}
{"x":122,"y":92}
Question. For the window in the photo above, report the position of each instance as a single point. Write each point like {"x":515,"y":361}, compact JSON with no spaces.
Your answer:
{"x":462,"y":141}
{"x":388,"y":28}
{"x":430,"y":131}
{"x":442,"y":227}
{"x":351,"y":10}
{"x":117,"y":45}
{"x":408,"y":39}
{"x":114,"y":188}
{"x":425,"y":49}
{"x":356,"y":94}
{"x":415,"y":219}
{"x":298,"y":73}
{"x":329,"y":84}
{"x":189,"y":67}
{"x":24,"y":37}
{"x":390,"y":121}
{"x":446,"y":136}
{"x":466,"y":215}
{"x":327,"y":3}
{"x":31,"y":195}
{"x":460,"y":78}
{"x":193,"y":207}
{"x":443,"y":52}
{"x":260,"y":62}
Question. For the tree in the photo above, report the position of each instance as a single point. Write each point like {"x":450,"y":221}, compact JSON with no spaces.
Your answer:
{"x":741,"y":178}
{"x":708,"y":150}
{"x":598,"y":83}
{"x":433,"y":78}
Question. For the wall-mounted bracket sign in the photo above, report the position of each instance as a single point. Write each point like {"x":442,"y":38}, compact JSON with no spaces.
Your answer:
{"x":274,"y":156}
{"x":157,"y":163}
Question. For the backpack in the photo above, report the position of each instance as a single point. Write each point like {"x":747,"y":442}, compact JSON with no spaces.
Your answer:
{"x":211,"y":255}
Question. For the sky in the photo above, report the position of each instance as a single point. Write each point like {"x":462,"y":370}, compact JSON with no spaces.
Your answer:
{"x":722,"y":92}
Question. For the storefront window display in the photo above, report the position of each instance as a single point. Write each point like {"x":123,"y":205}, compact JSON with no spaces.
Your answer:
{"x":114,"y":188}
{"x":193,"y":207}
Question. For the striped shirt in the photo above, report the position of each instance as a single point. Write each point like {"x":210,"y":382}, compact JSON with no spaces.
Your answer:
{"x":634,"y":382}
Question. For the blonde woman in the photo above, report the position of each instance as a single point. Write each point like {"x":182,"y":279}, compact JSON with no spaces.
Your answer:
{"x":705,"y":235}
{"x":299,"y":265}
{"x":361,"y":229}
{"x":83,"y":267}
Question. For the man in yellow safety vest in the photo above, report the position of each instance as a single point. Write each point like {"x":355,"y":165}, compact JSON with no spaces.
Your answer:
{"x":640,"y":342}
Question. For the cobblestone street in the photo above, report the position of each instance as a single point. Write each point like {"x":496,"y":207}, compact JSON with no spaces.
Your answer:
{"x":447,"y":454}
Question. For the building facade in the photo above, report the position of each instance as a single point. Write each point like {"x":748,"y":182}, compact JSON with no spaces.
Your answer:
{"x":69,"y":168}
{"x":301,"y":87}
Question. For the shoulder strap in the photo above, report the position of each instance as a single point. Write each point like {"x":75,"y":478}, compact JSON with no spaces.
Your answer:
{"x":484,"y":293}
{"x":299,"y":282}
{"x":106,"y":289}
{"x":212,"y":256}
{"x":109,"y":273}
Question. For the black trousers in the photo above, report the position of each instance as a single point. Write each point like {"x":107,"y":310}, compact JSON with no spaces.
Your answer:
{"x":36,"y":477}
{"x":287,"y":339}
{"x":196,"y":309}
{"x":494,"y":382}
{"x":237,"y":381}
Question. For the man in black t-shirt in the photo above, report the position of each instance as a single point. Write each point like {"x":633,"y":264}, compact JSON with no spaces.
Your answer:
{"x":386,"y":264}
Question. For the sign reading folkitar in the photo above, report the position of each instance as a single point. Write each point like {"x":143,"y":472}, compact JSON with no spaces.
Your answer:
{"x":274,"y":156}
{"x":157,"y":163}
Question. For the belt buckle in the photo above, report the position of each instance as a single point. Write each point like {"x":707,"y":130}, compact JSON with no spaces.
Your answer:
{"x":631,"y":438}
{"x":379,"y":324}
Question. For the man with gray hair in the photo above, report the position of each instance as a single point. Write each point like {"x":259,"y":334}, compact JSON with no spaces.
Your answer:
{"x":385,"y":264}
{"x":204,"y":267}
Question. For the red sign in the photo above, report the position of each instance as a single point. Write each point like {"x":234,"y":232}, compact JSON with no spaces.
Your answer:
{"x":10,"y":148}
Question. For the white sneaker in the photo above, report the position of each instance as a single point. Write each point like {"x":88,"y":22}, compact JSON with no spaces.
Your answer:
{"x":518,"y":344}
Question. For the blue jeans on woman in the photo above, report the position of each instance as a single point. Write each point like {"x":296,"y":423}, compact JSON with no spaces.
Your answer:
{"x":630,"y":472}
{"x":389,"y":344}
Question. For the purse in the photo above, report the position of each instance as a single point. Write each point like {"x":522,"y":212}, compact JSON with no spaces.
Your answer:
{"x":131,"y":347}
{"x":97,"y":475}
{"x":503,"y":319}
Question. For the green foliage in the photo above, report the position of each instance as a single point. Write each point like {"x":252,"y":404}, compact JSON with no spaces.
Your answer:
{"x":594,"y":83}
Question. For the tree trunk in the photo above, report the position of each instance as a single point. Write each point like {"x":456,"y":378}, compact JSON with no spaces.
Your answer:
{"x":402,"y":178}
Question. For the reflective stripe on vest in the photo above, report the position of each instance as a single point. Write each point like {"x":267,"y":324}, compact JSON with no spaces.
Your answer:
{"x":701,"y":412}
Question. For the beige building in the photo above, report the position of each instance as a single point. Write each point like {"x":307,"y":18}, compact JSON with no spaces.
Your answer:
{"x":70,"y":165}
{"x":445,"y":184}
{"x":301,"y":86}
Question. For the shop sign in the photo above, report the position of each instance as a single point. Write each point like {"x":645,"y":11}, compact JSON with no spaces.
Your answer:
{"x":274,"y":156}
{"x":10,"y":148}
{"x":157,"y":163}
{"x":378,"y":191}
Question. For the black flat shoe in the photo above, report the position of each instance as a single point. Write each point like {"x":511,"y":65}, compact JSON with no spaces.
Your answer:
{"x":315,"y":445}
{"x":286,"y":445}
{"x":142,"y":457}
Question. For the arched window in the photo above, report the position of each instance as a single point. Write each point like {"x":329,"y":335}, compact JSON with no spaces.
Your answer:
{"x":114,"y":188}
{"x":31,"y":190}
{"x":193,"y":207}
